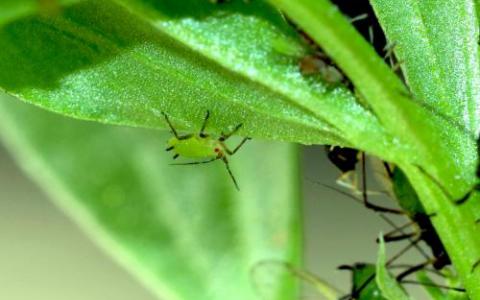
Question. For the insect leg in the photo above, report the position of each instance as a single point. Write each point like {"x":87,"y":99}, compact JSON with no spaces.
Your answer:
{"x":230,"y":152}
{"x":225,"y":136}
{"x":412,"y":270}
{"x":230,"y":172}
{"x":170,"y":125}
{"x":202,"y":134}
{"x":368,"y":204}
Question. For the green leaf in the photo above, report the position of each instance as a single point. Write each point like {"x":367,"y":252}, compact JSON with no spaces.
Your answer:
{"x":439,"y":53}
{"x":446,"y":80}
{"x":102,"y":62}
{"x":387,"y":284}
{"x":13,"y":9}
{"x":364,"y":285}
{"x":412,"y":124}
{"x":185,"y":231}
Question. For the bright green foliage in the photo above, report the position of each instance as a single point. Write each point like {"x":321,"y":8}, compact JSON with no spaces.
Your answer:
{"x":126,"y":61}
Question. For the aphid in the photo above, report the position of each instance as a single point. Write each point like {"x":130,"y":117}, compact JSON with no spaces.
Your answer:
{"x":412,"y":208}
{"x":203,"y":146}
{"x":476,"y":186}
{"x":363,"y":285}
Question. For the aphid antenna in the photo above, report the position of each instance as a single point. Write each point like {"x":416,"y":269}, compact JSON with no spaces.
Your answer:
{"x":171,"y":126}
{"x":204,"y":125}
{"x":232,"y":152}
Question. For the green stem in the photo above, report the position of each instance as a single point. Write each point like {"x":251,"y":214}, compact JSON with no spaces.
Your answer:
{"x":456,"y":227}
{"x":405,"y":119}
{"x":381,"y":88}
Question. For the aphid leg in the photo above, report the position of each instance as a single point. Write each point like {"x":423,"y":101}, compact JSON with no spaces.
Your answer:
{"x":176,"y":156}
{"x":412,"y":270}
{"x":226,"y":136}
{"x":390,"y":237}
{"x":230,"y":152}
{"x":475,"y":265}
{"x":225,"y":160}
{"x":202,"y":134}
{"x":170,"y":148}
{"x":368,"y":204}
{"x":170,"y":125}
{"x":196,"y":162}
{"x":397,"y":65}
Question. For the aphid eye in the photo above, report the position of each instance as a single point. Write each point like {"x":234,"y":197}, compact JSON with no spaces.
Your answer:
{"x":216,"y":150}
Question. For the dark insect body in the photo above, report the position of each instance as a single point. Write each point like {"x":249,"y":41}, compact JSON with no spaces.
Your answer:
{"x":203,"y":146}
{"x":410,"y":207}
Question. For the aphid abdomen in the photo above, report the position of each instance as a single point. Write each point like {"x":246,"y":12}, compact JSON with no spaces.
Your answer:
{"x":195,"y":147}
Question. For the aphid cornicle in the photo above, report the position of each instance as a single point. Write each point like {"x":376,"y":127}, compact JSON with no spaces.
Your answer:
{"x":203,"y":146}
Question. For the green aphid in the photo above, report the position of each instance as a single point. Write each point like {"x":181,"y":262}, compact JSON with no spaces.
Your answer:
{"x":203,"y":146}
{"x":364,"y":285}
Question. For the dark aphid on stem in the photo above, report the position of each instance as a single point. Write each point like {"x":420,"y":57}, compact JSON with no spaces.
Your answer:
{"x":203,"y":146}
{"x":419,"y":219}
{"x":413,"y":208}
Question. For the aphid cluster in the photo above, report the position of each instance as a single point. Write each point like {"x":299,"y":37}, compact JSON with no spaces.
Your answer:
{"x":203,"y":146}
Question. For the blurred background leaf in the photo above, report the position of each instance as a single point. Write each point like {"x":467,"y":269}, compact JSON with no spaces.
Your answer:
{"x":185,"y":231}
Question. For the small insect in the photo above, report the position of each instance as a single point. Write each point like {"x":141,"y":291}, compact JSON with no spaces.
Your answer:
{"x":346,"y":160}
{"x":419,"y":219}
{"x":363,"y":285}
{"x":203,"y":146}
